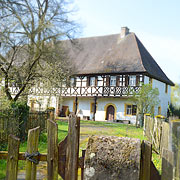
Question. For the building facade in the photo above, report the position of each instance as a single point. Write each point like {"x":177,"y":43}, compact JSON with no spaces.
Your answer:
{"x":107,"y":70}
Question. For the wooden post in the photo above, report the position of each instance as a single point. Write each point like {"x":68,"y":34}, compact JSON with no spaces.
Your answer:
{"x":12,"y":159}
{"x":32,"y":147}
{"x":94,"y":112}
{"x":52,"y":155}
{"x":62,"y":157}
{"x":76,"y":104}
{"x":146,"y":154}
{"x":82,"y":168}
{"x":51,"y":114}
{"x":72,"y":152}
{"x":167,"y":164}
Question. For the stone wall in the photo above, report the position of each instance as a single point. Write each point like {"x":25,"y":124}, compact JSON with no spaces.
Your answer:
{"x":112,"y":158}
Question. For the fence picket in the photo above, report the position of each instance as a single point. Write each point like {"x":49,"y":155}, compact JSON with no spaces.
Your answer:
{"x":72,"y":152}
{"x":167,"y":164}
{"x":52,"y":155}
{"x":32,"y":147}
{"x":146,"y":148}
{"x":12,"y":159}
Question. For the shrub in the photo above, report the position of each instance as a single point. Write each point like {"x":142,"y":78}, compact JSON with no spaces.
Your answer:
{"x":21,"y":113}
{"x":15,"y":116}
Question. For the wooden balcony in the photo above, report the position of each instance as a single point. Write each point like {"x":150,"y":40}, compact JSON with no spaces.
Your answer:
{"x":112,"y":91}
{"x":101,"y":86}
{"x":100,"y":91}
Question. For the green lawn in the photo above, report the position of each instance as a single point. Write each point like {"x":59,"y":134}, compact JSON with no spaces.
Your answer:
{"x":87,"y":129}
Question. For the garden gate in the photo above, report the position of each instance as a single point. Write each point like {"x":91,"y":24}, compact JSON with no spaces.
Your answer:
{"x":62,"y":158}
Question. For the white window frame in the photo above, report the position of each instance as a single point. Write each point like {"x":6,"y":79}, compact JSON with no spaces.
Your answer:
{"x":72,"y":81}
{"x":132,"y":80}
{"x":113,"y":81}
{"x":92,"y":81}
{"x":100,"y":81}
{"x":128,"y":109}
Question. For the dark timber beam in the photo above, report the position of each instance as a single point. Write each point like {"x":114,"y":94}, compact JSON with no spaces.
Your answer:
{"x":95,"y":105}
{"x":76,"y":104}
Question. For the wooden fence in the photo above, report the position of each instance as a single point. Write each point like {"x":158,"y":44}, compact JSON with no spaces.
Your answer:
{"x":36,"y":119}
{"x":65,"y":164}
{"x":164,"y":137}
{"x":11,"y":124}
{"x":8,"y":125}
{"x":156,"y":130}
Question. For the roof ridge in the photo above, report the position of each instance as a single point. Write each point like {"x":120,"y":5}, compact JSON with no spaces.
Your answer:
{"x":98,"y":36}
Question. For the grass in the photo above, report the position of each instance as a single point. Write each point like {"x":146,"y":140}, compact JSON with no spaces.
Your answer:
{"x":111,"y":129}
{"x":87,"y":129}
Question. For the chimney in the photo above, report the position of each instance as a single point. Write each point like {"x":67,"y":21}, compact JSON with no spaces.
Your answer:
{"x":124,"y":31}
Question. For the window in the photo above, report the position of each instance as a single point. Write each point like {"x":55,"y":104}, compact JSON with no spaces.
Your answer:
{"x":166,"y":88}
{"x":73,"y":82}
{"x":130,"y":109}
{"x":92,"y":81}
{"x":134,"y":110}
{"x":99,"y":81}
{"x":113,"y":81}
{"x":159,"y":110}
{"x":92,"y":107}
{"x":132,"y":80}
{"x":150,"y":81}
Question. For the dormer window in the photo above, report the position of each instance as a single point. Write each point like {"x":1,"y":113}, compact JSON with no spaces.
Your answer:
{"x":132,"y":80}
{"x":92,"y":81}
{"x":113,"y":81}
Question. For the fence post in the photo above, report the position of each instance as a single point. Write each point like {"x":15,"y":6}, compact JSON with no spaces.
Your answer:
{"x":32,"y":147}
{"x":165,"y":136}
{"x":51,"y":112}
{"x":72,"y":152}
{"x":167,"y":164}
{"x":52,"y":155}
{"x":12,"y":159}
{"x":146,"y":154}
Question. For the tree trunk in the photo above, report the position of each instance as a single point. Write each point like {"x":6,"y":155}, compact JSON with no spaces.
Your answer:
{"x":141,"y":119}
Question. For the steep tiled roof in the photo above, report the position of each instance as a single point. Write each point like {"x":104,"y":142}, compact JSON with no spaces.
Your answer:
{"x":113,"y":55}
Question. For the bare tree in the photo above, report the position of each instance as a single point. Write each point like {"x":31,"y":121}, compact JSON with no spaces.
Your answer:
{"x":29,"y":31}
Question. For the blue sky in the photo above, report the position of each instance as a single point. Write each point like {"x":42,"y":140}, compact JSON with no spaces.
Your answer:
{"x":155,"y":22}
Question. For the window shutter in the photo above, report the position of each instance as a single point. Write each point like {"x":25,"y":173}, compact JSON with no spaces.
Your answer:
{"x":117,"y":80}
{"x":75,"y":82}
{"x":96,"y":81}
{"x":107,"y":80}
{"x":88,"y":81}
{"x":126,"y":80}
{"x":134,"y":109}
{"x":137,"y":80}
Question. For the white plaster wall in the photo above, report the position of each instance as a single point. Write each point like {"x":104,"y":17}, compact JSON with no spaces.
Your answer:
{"x":84,"y":107}
{"x":68,"y":102}
{"x":164,"y":97}
{"x":41,"y":102}
{"x":146,"y":80}
{"x":120,"y":107}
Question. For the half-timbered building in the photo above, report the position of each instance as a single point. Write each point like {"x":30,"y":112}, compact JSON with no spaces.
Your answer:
{"x":107,"y":70}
